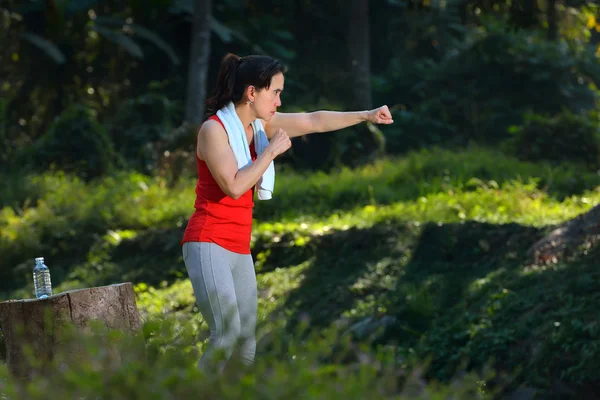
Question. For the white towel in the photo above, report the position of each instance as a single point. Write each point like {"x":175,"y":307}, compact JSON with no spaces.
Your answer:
{"x":239,"y":144}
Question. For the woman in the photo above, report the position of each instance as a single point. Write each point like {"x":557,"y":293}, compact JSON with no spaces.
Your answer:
{"x":216,"y":242}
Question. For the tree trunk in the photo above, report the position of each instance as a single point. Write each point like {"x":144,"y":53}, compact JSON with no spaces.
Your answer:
{"x":198,"y":63}
{"x":552,"y":20}
{"x":368,"y":141}
{"x":42,"y":326}
{"x":359,"y":50}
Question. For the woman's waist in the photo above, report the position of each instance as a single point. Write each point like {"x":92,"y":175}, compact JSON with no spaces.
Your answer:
{"x":218,"y":213}
{"x":224,"y":205}
{"x":212,"y":196}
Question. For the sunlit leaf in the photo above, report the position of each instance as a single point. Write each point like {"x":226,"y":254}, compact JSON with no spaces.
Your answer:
{"x":122,"y":40}
{"x":591,"y":22}
{"x":46,"y":46}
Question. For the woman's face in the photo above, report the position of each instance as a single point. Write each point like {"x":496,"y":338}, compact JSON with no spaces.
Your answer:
{"x":267,"y":100}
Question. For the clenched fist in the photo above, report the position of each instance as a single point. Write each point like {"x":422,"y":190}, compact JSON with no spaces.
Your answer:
{"x":280,"y":143}
{"x":380,"y":115}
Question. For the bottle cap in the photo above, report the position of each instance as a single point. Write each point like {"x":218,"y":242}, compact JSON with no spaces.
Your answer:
{"x":39,"y":259}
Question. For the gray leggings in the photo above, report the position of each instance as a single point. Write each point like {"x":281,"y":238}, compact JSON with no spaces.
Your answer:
{"x":224,"y":284}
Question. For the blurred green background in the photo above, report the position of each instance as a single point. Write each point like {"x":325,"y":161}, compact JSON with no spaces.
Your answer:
{"x":416,"y":238}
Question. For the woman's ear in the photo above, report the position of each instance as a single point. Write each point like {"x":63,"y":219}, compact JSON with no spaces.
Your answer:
{"x":251,"y":93}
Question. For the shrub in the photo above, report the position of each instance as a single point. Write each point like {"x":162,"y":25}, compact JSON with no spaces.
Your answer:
{"x":75,"y":143}
{"x":475,"y":89}
{"x":414,"y":129}
{"x":137,"y":127}
{"x":161,"y":364}
{"x":559,"y":138}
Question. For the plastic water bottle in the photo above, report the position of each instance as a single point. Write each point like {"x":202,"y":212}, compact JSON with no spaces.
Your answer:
{"x":41,"y":279}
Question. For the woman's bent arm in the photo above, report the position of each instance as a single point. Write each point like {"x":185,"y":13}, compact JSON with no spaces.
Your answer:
{"x":213,"y":147}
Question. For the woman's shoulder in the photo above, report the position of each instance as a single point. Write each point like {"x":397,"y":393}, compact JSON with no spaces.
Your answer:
{"x":212,"y":135}
{"x":212,"y":124}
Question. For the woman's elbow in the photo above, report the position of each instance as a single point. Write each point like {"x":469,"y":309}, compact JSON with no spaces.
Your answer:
{"x":233,"y":192}
{"x":228,"y":187}
{"x":235,"y":195}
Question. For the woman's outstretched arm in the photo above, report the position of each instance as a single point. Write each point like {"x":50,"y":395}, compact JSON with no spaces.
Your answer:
{"x":299,"y":124}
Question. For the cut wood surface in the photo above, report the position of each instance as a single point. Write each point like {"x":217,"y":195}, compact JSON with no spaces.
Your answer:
{"x":37,"y":326}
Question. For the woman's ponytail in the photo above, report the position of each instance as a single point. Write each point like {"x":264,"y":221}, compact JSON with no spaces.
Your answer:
{"x":225,"y":85}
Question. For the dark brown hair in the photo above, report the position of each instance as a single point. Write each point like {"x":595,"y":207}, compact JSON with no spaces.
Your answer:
{"x":236,"y":74}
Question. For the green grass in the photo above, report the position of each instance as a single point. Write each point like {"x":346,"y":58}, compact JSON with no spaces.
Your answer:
{"x":427,"y":254}
{"x":160,"y":364}
{"x":419,"y":174}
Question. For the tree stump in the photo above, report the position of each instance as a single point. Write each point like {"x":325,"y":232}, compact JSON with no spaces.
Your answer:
{"x":40,"y":327}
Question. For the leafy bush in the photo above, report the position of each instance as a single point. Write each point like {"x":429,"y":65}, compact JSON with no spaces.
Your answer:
{"x":75,"y":143}
{"x":71,"y":216}
{"x":161,"y":363}
{"x":559,"y":138}
{"x":139,"y":125}
{"x":413,"y":129}
{"x":483,"y":83}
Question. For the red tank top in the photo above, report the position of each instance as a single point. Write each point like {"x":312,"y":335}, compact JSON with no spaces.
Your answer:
{"x":219,"y":218}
